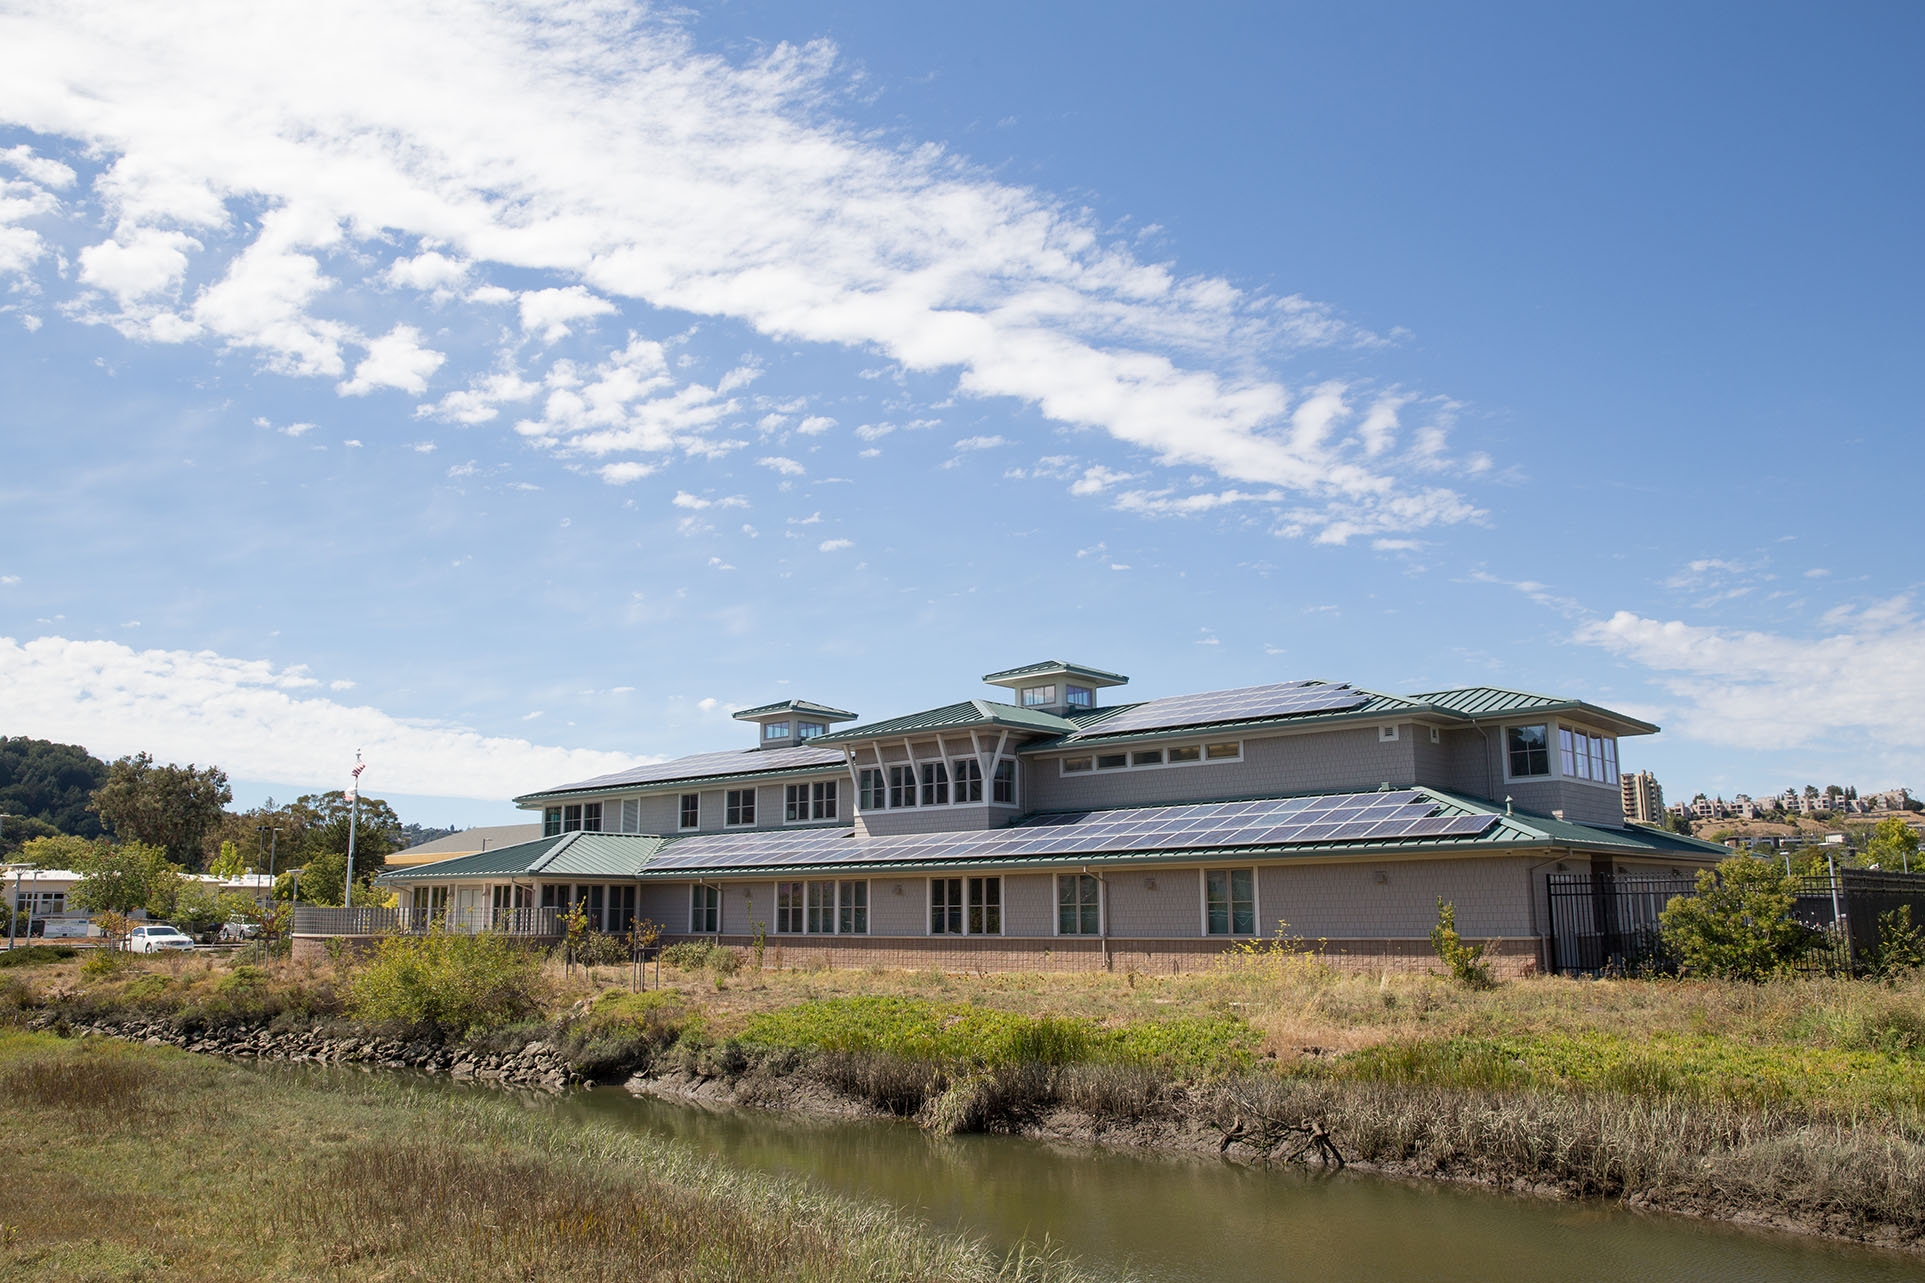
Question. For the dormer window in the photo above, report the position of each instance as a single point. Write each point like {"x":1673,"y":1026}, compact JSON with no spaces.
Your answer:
{"x":809,"y":730}
{"x":1037,"y":696}
{"x":1079,"y":697}
{"x":1529,"y":749}
{"x":775,"y":731}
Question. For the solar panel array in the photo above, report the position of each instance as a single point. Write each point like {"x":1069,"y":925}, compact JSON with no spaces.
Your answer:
{"x":1247,"y":703}
{"x":1268,"y":822}
{"x":732,"y":762}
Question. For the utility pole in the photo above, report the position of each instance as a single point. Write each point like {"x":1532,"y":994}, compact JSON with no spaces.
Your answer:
{"x":13,"y":905}
{"x":354,"y":815}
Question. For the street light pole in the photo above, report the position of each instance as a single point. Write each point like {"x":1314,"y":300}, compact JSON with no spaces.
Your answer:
{"x":354,"y":815}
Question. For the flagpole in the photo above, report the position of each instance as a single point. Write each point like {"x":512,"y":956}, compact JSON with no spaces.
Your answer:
{"x":354,"y":814}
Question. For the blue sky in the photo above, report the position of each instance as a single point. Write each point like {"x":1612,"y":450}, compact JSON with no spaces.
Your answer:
{"x":510,"y":393}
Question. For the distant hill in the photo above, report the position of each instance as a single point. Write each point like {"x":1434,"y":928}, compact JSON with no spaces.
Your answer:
{"x":48,"y":785}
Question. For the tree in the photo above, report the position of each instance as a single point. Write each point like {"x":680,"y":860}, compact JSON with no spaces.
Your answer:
{"x":197,"y":907}
{"x":323,"y":820}
{"x":127,"y":878}
{"x":228,"y":864}
{"x":322,"y":878}
{"x":1739,"y":924}
{"x":51,"y":784}
{"x":58,"y":852}
{"x":171,"y":807}
{"x":1893,"y":845}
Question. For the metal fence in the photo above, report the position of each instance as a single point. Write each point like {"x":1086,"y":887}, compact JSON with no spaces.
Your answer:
{"x":1603,"y":922}
{"x":316,"y":920}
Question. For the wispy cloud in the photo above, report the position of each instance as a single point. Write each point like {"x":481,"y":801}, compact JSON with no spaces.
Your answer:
{"x":258,"y":165}
{"x":261,"y":723}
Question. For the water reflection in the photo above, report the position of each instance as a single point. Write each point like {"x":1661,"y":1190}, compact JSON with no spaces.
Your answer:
{"x":1187,"y":1220}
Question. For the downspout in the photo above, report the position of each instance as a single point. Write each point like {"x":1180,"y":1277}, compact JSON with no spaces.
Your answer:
{"x":1490,"y":778}
{"x":1102,"y":913}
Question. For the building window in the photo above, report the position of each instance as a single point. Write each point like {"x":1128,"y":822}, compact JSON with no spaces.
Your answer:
{"x":592,"y":817}
{"x":1147,"y":757}
{"x":1227,"y":752}
{"x":1079,"y":697}
{"x":1230,"y":902}
{"x":902,"y":786}
{"x":869,"y":789}
{"x":571,"y":818}
{"x":852,"y":908}
{"x":965,"y":906}
{"x":1078,"y":911}
{"x":1530,"y":751}
{"x":822,"y":908}
{"x":1180,"y":755}
{"x":821,"y":900}
{"x":935,"y":784}
{"x":1004,"y":783}
{"x":1588,"y":757}
{"x":968,"y":775}
{"x":1076,"y":765}
{"x":809,"y":730}
{"x":1112,"y":761}
{"x":775,"y":731}
{"x":691,"y":817}
{"x":551,"y":822}
{"x":795,"y":803}
{"x":741,"y":807}
{"x":704,"y":910}
{"x":1186,"y":753}
{"x":1036,"y":695}
{"x":824,"y":797}
{"x":1387,"y":734}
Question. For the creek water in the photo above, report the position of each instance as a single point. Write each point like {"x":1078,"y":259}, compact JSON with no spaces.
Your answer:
{"x":1192,"y":1220}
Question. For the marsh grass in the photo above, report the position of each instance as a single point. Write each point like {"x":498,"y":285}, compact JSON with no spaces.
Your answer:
{"x":261,"y":1174}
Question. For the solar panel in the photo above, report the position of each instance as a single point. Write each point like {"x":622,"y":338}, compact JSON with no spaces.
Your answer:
{"x":1263,"y":823}
{"x":1283,"y":699}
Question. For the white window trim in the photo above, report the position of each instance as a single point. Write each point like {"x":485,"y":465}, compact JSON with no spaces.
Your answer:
{"x":768,"y":727}
{"x":1436,"y":736}
{"x":1387,"y":734}
{"x":719,"y":899}
{"x":756,"y":804}
{"x":948,"y":762}
{"x":808,"y":803}
{"x":835,"y":906}
{"x":688,"y":828}
{"x":1002,"y":907}
{"x":1165,"y":764}
{"x":1203,"y":904}
{"x":1557,"y":754}
{"x":1056,"y":908}
{"x":1550,"y":752}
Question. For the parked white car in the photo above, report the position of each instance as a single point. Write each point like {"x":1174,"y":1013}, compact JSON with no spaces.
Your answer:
{"x":155,"y":937}
{"x":236,"y":931}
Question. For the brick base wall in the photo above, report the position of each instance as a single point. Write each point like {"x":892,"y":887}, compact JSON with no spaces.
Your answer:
{"x":1507,"y":957}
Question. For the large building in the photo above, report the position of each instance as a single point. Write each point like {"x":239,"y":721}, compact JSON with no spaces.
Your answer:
{"x":1643,"y":799}
{"x":1056,"y":827}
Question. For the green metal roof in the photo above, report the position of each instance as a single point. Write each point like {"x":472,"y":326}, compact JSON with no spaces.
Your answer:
{"x":1056,"y":666}
{"x":1495,"y":701}
{"x":797,"y":706}
{"x":970,"y":712}
{"x":601,"y":855}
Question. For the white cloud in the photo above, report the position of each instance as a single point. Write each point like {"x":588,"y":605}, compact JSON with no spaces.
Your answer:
{"x":139,"y":261}
{"x":835,"y":545}
{"x":787,"y":467}
{"x":482,"y":400}
{"x":1098,"y":478}
{"x":980,"y":443}
{"x":9,"y":580}
{"x":396,"y":360}
{"x":430,"y":271}
{"x":44,"y":170}
{"x":1863,"y":682}
{"x":601,"y":148}
{"x":422,"y":447}
{"x":814,"y":425}
{"x":552,"y":311}
{"x":251,"y":719}
{"x":620,"y":474}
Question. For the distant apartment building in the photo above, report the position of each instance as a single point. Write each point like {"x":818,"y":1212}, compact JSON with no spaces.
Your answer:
{"x":1643,"y":798}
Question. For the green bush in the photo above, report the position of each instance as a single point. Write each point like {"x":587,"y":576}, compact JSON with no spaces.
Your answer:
{"x":1739,"y":924}
{"x":449,"y":983}
{"x":1465,"y":961}
{"x":104,"y":963}
{"x":1901,"y":946}
{"x":601,"y":949}
{"x":36,"y":955}
{"x":698,"y":955}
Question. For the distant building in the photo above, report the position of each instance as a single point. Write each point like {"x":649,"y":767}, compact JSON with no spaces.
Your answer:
{"x":1643,"y":798}
{"x":467,"y":842}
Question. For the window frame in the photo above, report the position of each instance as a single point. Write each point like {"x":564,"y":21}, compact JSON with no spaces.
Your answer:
{"x":904,"y":785}
{"x":738,"y":808}
{"x":965,"y":781}
{"x":935,"y":783}
{"x":998,"y":777}
{"x":551,"y":821}
{"x":704,"y":899}
{"x":1095,"y":906}
{"x":1200,"y":748}
{"x":1586,"y":757}
{"x":1038,"y":696}
{"x":872,"y":789}
{"x":971,"y":913}
{"x":809,"y":730}
{"x":1511,"y":751}
{"x":772,"y":731}
{"x":1256,"y":902}
{"x":1079,"y":696}
{"x":688,"y":812}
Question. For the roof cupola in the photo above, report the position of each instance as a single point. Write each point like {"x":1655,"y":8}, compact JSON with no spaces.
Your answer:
{"x":1055,"y":685}
{"x":793,"y":721}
